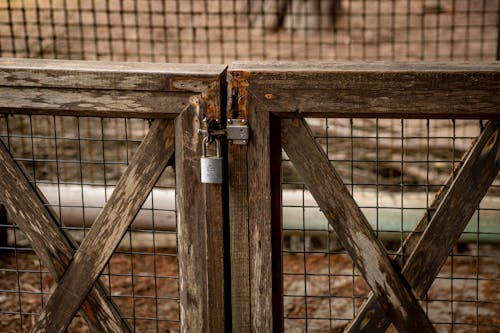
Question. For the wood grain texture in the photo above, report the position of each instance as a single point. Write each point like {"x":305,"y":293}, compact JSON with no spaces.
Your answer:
{"x":98,"y":103}
{"x":454,"y":209}
{"x":260,"y":220}
{"x":191,"y":226}
{"x":239,"y":214}
{"x":352,"y":228}
{"x":216,"y":218}
{"x":239,"y":242}
{"x":410,"y":90}
{"x":200,"y":234}
{"x":107,"y":75}
{"x":109,"y":228}
{"x":54,"y":249}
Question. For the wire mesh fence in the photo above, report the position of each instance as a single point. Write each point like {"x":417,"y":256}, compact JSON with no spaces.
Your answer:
{"x":393,"y":168}
{"x":220,"y":31}
{"x":75,"y":162}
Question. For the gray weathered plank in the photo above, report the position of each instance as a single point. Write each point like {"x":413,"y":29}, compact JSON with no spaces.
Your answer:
{"x":410,"y":90}
{"x":238,"y":217}
{"x":200,"y":233}
{"x":352,"y":228}
{"x":191,"y":226}
{"x":453,"y":212}
{"x":111,"y":224}
{"x":52,"y":246}
{"x":255,"y":217}
{"x":215,"y":220}
{"x":239,"y":242}
{"x":107,"y":75}
{"x":260,"y":221}
{"x":99,"y":103}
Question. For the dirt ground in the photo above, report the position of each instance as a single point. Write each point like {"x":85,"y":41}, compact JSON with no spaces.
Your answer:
{"x":145,"y":287}
{"x":455,"y":296}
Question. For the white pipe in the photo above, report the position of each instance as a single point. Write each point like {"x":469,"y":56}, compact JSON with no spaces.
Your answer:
{"x":79,"y":206}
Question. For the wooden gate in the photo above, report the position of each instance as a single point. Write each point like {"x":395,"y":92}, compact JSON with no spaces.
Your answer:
{"x":172,"y":97}
{"x":275,"y":99}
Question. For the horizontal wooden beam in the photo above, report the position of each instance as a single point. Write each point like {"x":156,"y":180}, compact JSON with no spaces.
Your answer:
{"x":92,"y":103}
{"x":400,"y":90}
{"x":108,"y":75}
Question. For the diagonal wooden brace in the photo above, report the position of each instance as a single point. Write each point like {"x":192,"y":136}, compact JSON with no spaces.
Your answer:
{"x":110,"y":226}
{"x":352,"y":228}
{"x":52,"y":246}
{"x":455,"y":210}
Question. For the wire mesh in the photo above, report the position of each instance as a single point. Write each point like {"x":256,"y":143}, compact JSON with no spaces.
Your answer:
{"x":220,"y":31}
{"x":75,"y":162}
{"x":392,"y":168}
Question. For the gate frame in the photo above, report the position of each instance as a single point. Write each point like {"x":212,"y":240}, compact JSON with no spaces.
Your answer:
{"x":265,"y":94}
{"x":164,"y":93}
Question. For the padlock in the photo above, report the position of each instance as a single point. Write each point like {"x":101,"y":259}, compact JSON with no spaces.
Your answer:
{"x":211,"y":167}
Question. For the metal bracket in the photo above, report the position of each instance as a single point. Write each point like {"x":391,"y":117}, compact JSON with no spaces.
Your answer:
{"x":237,"y":131}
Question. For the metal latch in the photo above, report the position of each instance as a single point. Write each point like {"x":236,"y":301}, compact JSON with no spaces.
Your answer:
{"x":237,"y":131}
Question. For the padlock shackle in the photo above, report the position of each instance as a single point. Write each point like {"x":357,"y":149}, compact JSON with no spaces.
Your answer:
{"x":204,"y":144}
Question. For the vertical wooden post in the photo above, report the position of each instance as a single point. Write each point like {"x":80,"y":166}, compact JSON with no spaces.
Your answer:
{"x":200,"y":232}
{"x":276,"y":223}
{"x":255,"y":216}
{"x":260,"y":220}
{"x":191,"y":224}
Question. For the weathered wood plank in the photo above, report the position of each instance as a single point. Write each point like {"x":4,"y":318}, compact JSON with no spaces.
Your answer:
{"x":276,"y":222}
{"x":52,"y":246}
{"x":239,"y":217}
{"x":191,"y":226}
{"x":109,"y":228}
{"x":260,"y":220}
{"x":352,"y":228}
{"x":214,"y":210}
{"x":239,"y":242}
{"x":216,"y":217}
{"x":200,"y":233}
{"x":454,"y":210}
{"x":410,"y":90}
{"x":107,"y":75}
{"x":99,"y":103}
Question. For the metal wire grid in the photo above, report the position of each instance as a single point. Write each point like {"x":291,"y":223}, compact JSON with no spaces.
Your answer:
{"x":220,"y":31}
{"x":76,"y":161}
{"x":392,"y":168}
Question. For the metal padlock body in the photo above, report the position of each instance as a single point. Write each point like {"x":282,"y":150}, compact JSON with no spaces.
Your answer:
{"x":211,"y":167}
